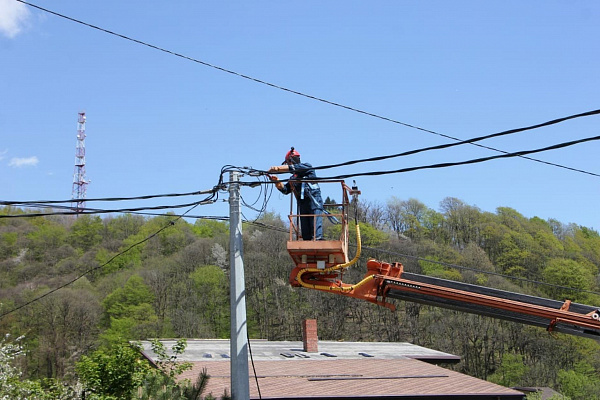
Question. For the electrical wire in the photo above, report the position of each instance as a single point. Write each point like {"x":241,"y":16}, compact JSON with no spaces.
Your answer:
{"x":467,"y":162}
{"x":265,"y":193}
{"x":252,"y":362}
{"x":262,"y":82}
{"x":472,"y":140}
{"x":90,"y":211}
{"x":145,"y":197}
{"x":222,"y":69}
{"x":267,"y":226}
{"x":170,"y":214}
{"x":55,"y":205}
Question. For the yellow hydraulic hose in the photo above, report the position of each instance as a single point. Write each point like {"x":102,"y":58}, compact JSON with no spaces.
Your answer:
{"x":334,"y":268}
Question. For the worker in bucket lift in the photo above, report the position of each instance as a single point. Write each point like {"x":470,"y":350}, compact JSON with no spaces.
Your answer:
{"x":308,"y":194}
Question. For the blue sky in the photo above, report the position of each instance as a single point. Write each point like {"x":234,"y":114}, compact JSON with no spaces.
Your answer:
{"x":157,"y":123}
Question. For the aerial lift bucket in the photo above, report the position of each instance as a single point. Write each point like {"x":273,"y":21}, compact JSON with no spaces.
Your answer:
{"x":321,"y":254}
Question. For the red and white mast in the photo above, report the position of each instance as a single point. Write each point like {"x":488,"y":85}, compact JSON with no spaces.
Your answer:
{"x":80,"y":181}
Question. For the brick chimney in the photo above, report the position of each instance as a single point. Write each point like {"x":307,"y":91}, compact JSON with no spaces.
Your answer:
{"x":309,"y":336}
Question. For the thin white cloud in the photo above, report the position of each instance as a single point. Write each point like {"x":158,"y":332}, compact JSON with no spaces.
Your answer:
{"x":23,"y":162}
{"x":13,"y":16}
{"x":2,"y":154}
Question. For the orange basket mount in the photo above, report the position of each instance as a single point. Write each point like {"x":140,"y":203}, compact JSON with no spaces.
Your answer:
{"x":321,"y":263}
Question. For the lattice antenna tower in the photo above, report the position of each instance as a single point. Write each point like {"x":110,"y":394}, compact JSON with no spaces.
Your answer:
{"x":80,"y":181}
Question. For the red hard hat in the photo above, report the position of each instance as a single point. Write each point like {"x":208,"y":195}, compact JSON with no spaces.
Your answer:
{"x":291,"y":153}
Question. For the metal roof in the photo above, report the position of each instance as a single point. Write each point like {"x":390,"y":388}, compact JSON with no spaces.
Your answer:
{"x":338,"y":371}
{"x":218,"y":349}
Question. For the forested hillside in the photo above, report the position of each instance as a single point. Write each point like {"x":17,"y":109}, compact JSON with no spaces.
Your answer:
{"x":171,"y":280}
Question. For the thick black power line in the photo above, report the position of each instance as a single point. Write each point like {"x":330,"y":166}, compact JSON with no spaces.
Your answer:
{"x":476,"y":139}
{"x":90,"y":211}
{"x":107,"y":199}
{"x":123,"y":211}
{"x":267,"y":194}
{"x":57,"y":204}
{"x":260,"y":81}
{"x":472,"y":161}
{"x":53,"y":205}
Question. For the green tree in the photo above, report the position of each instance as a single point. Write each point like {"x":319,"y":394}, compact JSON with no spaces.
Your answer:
{"x":86,"y":232}
{"x":406,"y":217}
{"x":438,"y":269}
{"x":433,"y":222}
{"x":212,"y":288}
{"x":462,"y":221}
{"x":134,"y":293}
{"x":8,"y":244}
{"x":123,"y":226}
{"x":568,"y":273}
{"x":163,"y":383}
{"x":209,"y":228}
{"x":474,"y":257}
{"x":580,"y":383}
{"x":369,"y":236}
{"x":511,"y":218}
{"x":67,"y":324}
{"x":12,"y":384}
{"x":511,"y":371}
{"x":518,"y":255}
{"x":47,"y":236}
{"x":112,"y":373}
{"x":119,"y":373}
{"x":130,"y":312}
{"x":550,"y":246}
{"x":491,"y":238}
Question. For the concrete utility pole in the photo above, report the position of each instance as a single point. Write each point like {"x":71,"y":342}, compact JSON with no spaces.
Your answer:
{"x":240,"y":379}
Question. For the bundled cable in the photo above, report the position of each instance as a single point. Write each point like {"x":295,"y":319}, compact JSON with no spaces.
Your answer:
{"x":472,"y":161}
